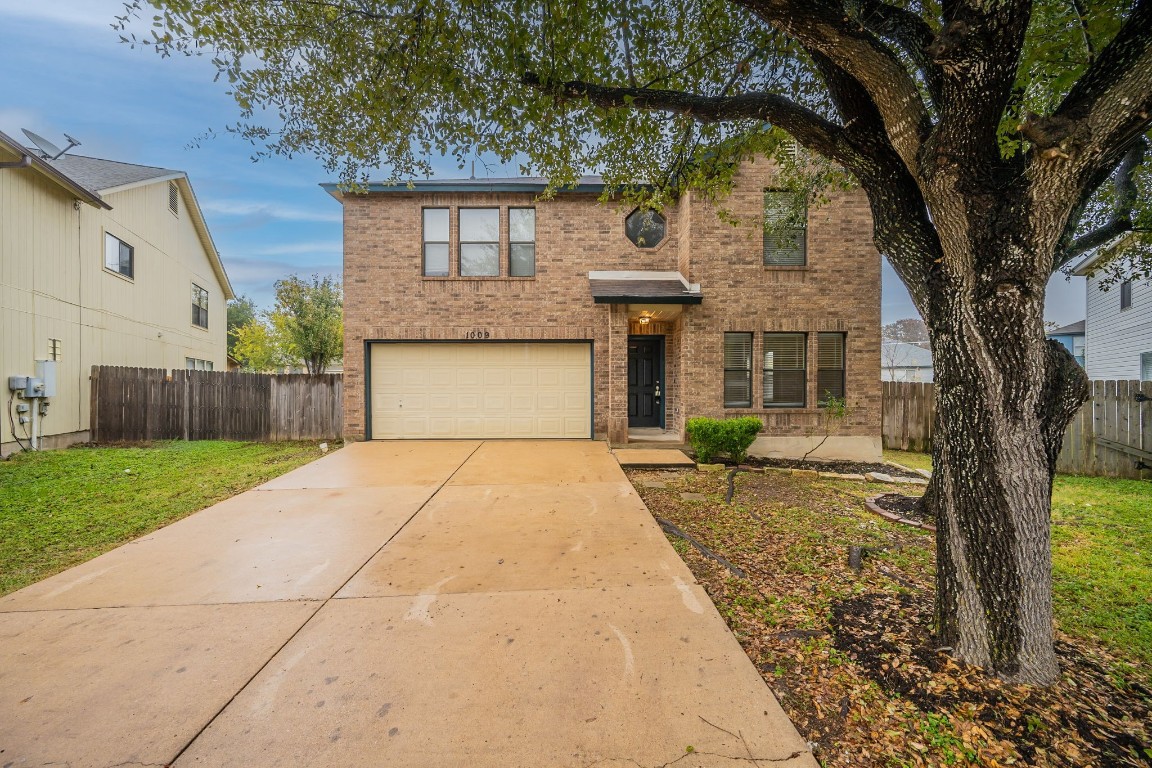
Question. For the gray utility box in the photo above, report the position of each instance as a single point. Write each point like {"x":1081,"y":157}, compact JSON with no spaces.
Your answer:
{"x":46,"y":372}
{"x":17,"y":383}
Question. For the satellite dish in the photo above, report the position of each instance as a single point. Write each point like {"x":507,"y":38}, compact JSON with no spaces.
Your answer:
{"x":48,"y":150}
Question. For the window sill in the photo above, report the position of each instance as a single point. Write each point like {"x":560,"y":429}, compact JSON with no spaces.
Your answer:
{"x":120,"y":275}
{"x":785,"y":267}
{"x":478,"y":278}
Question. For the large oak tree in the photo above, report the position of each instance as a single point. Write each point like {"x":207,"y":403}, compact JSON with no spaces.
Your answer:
{"x":996,"y":140}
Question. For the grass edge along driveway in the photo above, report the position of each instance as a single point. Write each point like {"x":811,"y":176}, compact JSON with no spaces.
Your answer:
{"x":61,"y":508}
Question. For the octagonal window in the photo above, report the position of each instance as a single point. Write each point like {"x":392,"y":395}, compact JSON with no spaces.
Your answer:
{"x":646,"y":229}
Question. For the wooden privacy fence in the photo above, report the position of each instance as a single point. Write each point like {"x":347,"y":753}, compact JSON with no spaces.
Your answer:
{"x":142,"y":404}
{"x":908,"y":410}
{"x":1108,"y":437}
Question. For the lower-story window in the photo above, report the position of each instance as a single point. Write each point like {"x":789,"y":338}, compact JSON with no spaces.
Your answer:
{"x":785,"y":371}
{"x":193,"y":364}
{"x":830,"y":367}
{"x":737,"y":370}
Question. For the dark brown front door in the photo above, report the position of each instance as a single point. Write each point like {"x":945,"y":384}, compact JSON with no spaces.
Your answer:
{"x":645,"y":403}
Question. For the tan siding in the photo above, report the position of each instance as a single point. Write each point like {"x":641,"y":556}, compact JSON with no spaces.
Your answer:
{"x":53,"y":285}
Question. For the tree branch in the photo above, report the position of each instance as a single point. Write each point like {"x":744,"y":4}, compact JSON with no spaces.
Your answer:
{"x":808,"y":127}
{"x":1110,"y":105}
{"x":908,"y":31}
{"x":823,"y":26}
{"x":1120,"y":220}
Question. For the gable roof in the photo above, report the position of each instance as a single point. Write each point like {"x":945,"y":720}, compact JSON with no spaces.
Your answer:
{"x":89,"y":178}
{"x":53,"y":174}
{"x":1072,"y":329}
{"x":106,"y":176}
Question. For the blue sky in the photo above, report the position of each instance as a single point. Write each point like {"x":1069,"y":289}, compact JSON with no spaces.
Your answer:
{"x":66,"y":72}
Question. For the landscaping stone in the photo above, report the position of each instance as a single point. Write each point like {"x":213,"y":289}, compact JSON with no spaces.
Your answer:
{"x":711,"y":467}
{"x":924,"y":473}
{"x":806,"y":472}
{"x":694,"y":496}
{"x":878,"y":477}
{"x":858,"y":478}
{"x":914,"y":481}
{"x":653,"y":484}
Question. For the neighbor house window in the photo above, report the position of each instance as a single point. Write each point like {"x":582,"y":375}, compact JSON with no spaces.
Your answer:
{"x":785,"y":229}
{"x":830,"y":366}
{"x":193,"y":364}
{"x":522,"y":242}
{"x":1146,"y":366}
{"x":737,"y":370}
{"x":646,"y":229}
{"x":479,"y":242}
{"x":199,"y":306}
{"x":118,"y":256}
{"x":436,"y":242}
{"x":785,"y":376}
{"x":1126,"y":294}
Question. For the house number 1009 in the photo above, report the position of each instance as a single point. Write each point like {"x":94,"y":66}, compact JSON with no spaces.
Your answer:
{"x":477,"y":335}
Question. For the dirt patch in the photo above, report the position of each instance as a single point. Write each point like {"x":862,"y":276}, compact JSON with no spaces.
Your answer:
{"x":850,"y":655}
{"x":840,"y":467}
{"x":908,"y":507}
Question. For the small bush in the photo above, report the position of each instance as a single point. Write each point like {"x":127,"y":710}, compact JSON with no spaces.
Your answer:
{"x":710,"y":437}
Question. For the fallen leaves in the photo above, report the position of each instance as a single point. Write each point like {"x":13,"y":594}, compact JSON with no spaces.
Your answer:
{"x":849,"y":656}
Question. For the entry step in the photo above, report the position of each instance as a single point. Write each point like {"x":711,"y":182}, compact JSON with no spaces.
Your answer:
{"x":653,"y":457}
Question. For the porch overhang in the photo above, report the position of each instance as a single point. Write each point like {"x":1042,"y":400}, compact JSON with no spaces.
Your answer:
{"x":641,"y":287}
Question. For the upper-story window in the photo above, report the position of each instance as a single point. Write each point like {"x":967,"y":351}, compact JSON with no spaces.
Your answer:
{"x":119,"y":257}
{"x":645,"y":228}
{"x":785,"y":229}
{"x":436,"y":242}
{"x":479,"y":242}
{"x":199,"y":306}
{"x":521,"y":242}
{"x":1126,"y":295}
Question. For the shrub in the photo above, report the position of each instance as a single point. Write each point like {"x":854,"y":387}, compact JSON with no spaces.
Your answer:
{"x":710,"y":437}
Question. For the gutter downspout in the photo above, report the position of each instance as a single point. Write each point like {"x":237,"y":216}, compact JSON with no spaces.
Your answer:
{"x":24,"y":162}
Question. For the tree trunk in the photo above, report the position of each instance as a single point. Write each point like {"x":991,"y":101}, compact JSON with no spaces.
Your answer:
{"x":1004,"y":396}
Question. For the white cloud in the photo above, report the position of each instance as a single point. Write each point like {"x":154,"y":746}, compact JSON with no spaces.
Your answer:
{"x":270,"y":209}
{"x":83,"y":13}
{"x":333,"y":248}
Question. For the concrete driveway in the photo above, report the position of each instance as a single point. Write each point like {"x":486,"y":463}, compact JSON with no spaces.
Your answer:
{"x":401,"y":604}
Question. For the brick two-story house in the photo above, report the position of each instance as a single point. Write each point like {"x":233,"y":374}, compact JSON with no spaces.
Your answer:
{"x":475,"y":310}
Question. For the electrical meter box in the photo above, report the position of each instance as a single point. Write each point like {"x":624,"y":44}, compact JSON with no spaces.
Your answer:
{"x":46,"y":372}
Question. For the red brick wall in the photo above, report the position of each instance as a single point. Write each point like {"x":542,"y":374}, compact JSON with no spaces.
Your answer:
{"x":386,"y":296}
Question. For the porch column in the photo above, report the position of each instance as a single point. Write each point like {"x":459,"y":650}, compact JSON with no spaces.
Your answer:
{"x":618,"y":374}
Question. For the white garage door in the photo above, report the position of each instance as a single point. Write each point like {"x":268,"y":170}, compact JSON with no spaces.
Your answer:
{"x":482,"y":390}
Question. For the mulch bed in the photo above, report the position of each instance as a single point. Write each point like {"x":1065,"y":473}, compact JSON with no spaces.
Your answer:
{"x":908,"y":507}
{"x":840,"y":467}
{"x":850,"y":655}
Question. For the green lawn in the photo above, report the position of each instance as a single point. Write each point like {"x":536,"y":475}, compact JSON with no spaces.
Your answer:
{"x":60,"y":508}
{"x":1101,"y":557}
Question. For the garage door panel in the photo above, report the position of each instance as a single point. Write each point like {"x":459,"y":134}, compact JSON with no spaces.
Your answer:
{"x":496,"y":389}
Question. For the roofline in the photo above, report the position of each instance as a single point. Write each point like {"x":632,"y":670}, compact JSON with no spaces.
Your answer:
{"x":457,"y":185}
{"x":65,"y":181}
{"x":1084,"y":268}
{"x":205,"y":236}
{"x":174,"y":175}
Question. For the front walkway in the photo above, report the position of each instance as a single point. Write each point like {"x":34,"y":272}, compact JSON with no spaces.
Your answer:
{"x":400,"y":604}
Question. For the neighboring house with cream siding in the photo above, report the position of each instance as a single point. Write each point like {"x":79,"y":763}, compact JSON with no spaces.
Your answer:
{"x":101,"y":263}
{"x":1118,"y":328}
